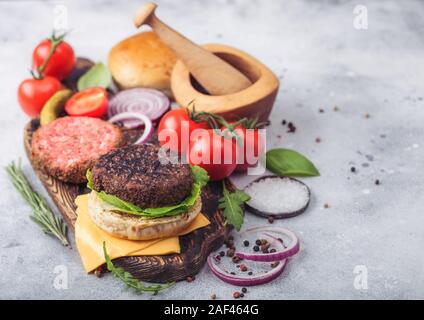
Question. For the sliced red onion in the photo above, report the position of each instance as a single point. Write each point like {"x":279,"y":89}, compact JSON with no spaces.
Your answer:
{"x":239,"y":280}
{"x":149,"y":102}
{"x":283,"y":254}
{"x":148,"y":126}
{"x":277,"y":197}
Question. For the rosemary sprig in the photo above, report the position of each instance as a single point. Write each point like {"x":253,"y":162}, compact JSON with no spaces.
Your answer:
{"x":129,"y":280}
{"x":42,"y":214}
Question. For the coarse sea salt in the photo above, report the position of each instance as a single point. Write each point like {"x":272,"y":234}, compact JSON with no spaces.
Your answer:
{"x":277,"y":195}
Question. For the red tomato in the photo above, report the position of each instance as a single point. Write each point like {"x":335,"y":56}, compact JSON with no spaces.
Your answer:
{"x":214,"y":153}
{"x":60,"y":64}
{"x":176,"y":128}
{"x":34,"y":93}
{"x":251,"y":149}
{"x":91,"y":102}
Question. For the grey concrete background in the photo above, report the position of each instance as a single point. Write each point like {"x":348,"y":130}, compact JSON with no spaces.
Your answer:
{"x":323,"y":61}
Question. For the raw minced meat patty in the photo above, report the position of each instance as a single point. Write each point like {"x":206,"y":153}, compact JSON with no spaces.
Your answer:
{"x":135,"y":174}
{"x":68,"y":146}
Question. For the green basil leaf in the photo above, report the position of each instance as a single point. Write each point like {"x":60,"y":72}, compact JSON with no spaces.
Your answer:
{"x":286,"y":162}
{"x":98,"y":76}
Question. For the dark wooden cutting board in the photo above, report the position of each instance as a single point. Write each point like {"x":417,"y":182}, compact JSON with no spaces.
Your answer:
{"x":195,"y":246}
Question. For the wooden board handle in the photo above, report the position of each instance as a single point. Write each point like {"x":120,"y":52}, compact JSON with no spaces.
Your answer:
{"x":214,"y":74}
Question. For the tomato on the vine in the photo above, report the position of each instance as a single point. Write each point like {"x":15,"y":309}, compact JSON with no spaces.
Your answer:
{"x":251,"y":147}
{"x":90,"y":102}
{"x":34,"y":93}
{"x":214,"y":153}
{"x":176,"y":128}
{"x":59,"y":63}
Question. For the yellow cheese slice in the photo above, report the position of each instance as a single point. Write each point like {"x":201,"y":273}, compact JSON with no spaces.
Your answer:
{"x":89,"y":240}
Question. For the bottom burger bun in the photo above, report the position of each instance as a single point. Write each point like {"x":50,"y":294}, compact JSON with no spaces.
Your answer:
{"x":132,"y":227}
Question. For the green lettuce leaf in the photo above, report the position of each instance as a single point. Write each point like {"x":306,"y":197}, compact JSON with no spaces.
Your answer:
{"x":200,"y":179}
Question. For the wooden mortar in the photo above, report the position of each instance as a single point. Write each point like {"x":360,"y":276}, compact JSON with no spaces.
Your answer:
{"x":254,"y":101}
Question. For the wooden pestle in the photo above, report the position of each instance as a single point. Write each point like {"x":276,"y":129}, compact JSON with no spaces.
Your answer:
{"x":215,"y":75}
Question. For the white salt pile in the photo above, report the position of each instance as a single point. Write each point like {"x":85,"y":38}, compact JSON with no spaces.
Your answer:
{"x":277,"y":195}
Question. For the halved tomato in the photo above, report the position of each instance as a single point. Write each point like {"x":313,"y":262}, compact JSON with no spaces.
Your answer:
{"x":91,"y":102}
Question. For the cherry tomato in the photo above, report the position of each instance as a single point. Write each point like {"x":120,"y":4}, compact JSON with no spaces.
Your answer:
{"x":176,"y":128}
{"x":91,"y":102}
{"x":251,"y":148}
{"x":34,"y":93}
{"x":214,"y":153}
{"x":60,"y":64}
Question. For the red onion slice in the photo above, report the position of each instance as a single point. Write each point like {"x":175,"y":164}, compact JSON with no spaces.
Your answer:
{"x":149,"y":102}
{"x":289,"y":251}
{"x":148,"y":126}
{"x":277,"y":197}
{"x":245,"y":280}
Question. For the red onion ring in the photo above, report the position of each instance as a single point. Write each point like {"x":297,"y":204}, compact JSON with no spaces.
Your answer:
{"x":245,"y":280}
{"x":148,"y":126}
{"x":291,"y":250}
{"x":150,"y":102}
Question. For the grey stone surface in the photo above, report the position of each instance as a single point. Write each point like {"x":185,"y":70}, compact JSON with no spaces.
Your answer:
{"x":323,"y":61}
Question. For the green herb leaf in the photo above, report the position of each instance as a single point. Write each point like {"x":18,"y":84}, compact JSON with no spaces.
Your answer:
{"x":98,"y":76}
{"x":42,"y":214}
{"x":286,"y":162}
{"x":232,"y":204}
{"x":129,"y":280}
{"x":200,"y":179}
{"x":200,"y":175}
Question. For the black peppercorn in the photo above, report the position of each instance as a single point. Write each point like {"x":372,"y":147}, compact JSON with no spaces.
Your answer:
{"x":246,"y":243}
{"x":256,"y":248}
{"x":244,"y":290}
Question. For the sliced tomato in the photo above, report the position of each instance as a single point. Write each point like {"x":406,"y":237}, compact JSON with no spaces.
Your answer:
{"x":91,"y":102}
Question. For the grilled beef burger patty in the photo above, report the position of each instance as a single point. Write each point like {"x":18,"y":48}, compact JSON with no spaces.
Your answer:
{"x":135,"y":174}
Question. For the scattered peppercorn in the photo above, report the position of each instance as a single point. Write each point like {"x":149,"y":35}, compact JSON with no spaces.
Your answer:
{"x":213,"y":296}
{"x":243,"y":268}
{"x":246,"y":243}
{"x":318,"y":140}
{"x":265,"y":246}
{"x":233,"y":273}
{"x":377,"y":182}
{"x":352,"y":169}
{"x":271,"y":219}
{"x":250,"y":273}
{"x":241,"y":295}
{"x":230,"y":244}
{"x":236,"y":295}
{"x":321,"y":110}
{"x":264,"y":241}
{"x":326,"y":205}
{"x":230,"y":252}
{"x":272,"y":250}
{"x":190,"y":279}
{"x":291,"y":126}
{"x":283,"y":122}
{"x":275,"y":264}
{"x":258,"y":242}
{"x":256,"y":248}
{"x":367,"y":116}
{"x":336,"y":108}
{"x":244,"y":290}
{"x":281,"y":240}
{"x":222,"y":253}
{"x":265,"y":251}
{"x":236,"y":259}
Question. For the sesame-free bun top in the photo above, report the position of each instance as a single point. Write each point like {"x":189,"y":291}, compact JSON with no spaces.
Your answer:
{"x":142,"y":60}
